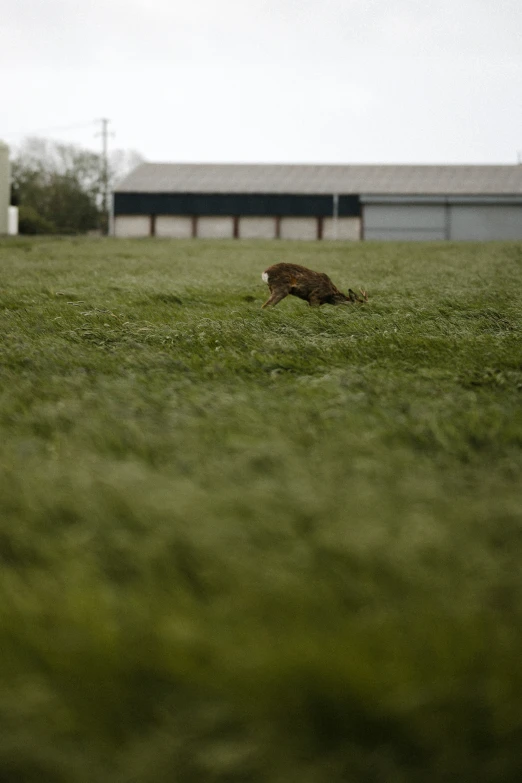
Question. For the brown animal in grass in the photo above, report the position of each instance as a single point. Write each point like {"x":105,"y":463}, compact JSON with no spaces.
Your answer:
{"x":316,"y":288}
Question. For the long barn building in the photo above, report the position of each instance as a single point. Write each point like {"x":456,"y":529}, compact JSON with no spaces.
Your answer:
{"x":320,"y":202}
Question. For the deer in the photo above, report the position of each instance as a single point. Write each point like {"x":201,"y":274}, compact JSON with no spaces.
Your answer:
{"x":316,"y":288}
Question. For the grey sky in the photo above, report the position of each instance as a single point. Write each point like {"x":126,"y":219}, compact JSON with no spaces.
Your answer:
{"x":349,"y":81}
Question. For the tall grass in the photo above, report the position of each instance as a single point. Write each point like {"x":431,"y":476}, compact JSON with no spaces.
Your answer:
{"x":246,"y":545}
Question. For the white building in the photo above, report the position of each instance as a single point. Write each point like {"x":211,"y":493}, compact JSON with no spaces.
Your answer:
{"x":5,"y":186}
{"x":320,"y":202}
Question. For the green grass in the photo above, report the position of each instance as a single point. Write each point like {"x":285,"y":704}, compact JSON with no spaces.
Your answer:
{"x":259,"y":546}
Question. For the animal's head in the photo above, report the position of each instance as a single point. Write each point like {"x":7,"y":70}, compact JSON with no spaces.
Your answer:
{"x":350,"y":298}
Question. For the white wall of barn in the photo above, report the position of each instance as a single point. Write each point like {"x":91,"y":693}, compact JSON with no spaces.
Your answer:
{"x":344,"y":228}
{"x":209,"y":227}
{"x":304,"y":228}
{"x":222,"y":227}
{"x":4,"y":187}
{"x":257,"y":228}
{"x":174,"y":226}
{"x":485,"y":222}
{"x":422,"y":222}
{"x":472,"y":222}
{"x":131,"y":226}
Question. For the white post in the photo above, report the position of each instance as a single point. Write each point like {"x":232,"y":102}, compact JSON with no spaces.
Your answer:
{"x":335,"y":214}
{"x":12,"y":221}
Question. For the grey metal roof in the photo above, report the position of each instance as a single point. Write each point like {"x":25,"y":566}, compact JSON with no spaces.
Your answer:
{"x":323,"y":179}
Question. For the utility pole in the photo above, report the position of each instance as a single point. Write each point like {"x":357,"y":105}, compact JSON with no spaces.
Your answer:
{"x":105,"y":174}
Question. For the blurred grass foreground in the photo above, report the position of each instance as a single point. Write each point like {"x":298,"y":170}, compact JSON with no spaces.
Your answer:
{"x":266,"y":546}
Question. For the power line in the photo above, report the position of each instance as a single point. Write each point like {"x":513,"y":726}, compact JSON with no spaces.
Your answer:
{"x":59,"y":129}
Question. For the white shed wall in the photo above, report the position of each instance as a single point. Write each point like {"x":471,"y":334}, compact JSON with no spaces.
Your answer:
{"x":215,"y":227}
{"x":132,"y":226}
{"x":485,"y":222}
{"x":455,"y":221}
{"x":405,"y":221}
{"x":4,"y":187}
{"x":299,"y":228}
{"x":257,"y":228}
{"x":174,"y":226}
{"x":348,"y":228}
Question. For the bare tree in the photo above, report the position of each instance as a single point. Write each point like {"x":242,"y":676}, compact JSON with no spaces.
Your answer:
{"x":64,"y":184}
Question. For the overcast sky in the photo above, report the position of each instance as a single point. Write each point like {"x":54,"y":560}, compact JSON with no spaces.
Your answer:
{"x":299,"y":81}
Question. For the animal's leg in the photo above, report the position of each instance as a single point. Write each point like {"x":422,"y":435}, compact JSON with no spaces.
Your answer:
{"x":314,"y":300}
{"x":275,"y":297}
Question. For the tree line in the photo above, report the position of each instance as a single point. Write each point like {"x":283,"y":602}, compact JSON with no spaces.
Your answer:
{"x":59,"y":188}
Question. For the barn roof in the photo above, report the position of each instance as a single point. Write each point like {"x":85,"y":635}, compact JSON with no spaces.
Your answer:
{"x":323,"y":179}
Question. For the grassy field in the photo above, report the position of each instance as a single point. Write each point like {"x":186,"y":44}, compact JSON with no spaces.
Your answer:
{"x":259,"y":546}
